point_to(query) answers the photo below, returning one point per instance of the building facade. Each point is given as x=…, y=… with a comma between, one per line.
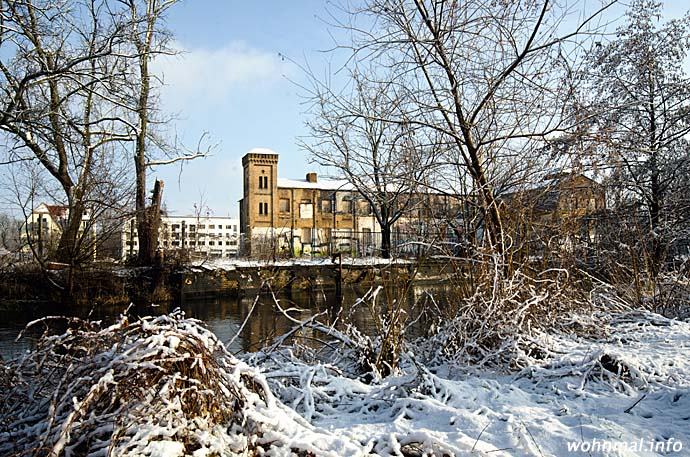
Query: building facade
x=301, y=216
x=296, y=217
x=558, y=213
x=43, y=228
x=205, y=236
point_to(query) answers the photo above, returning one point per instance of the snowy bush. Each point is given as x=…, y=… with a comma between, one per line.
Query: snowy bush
x=627, y=380
x=156, y=386
x=497, y=325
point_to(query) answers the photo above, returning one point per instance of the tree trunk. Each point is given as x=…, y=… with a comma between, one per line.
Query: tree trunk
x=68, y=247
x=386, y=241
x=148, y=223
x=144, y=214
x=656, y=255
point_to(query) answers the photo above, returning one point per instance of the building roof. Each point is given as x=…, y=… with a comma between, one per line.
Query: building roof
x=55, y=211
x=321, y=184
x=551, y=181
x=262, y=151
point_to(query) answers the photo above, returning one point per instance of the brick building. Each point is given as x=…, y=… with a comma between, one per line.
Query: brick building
x=314, y=215
x=560, y=213
x=301, y=216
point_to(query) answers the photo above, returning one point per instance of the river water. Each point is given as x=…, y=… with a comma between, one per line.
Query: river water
x=224, y=316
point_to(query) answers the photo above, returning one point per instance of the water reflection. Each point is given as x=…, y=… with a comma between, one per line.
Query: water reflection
x=224, y=316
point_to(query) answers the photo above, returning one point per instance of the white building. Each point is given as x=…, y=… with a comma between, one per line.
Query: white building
x=206, y=236
x=43, y=228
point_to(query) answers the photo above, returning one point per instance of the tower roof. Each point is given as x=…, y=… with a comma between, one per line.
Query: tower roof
x=262, y=151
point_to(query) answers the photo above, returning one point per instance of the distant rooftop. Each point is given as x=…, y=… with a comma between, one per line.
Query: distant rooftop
x=178, y=216
x=262, y=151
x=322, y=184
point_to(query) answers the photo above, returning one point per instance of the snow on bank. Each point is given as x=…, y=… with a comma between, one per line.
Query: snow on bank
x=625, y=395
x=166, y=386
x=233, y=264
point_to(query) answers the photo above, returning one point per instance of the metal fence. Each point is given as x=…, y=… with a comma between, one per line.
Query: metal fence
x=351, y=243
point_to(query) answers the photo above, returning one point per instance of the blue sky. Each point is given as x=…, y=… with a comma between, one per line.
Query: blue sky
x=232, y=83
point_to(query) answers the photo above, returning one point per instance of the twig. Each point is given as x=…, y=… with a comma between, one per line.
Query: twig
x=627, y=410
x=478, y=437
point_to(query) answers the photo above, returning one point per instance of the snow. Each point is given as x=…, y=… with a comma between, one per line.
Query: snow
x=164, y=448
x=232, y=264
x=622, y=391
x=568, y=400
x=321, y=184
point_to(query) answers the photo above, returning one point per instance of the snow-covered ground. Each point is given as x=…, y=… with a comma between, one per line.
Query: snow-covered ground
x=570, y=404
x=624, y=394
x=232, y=264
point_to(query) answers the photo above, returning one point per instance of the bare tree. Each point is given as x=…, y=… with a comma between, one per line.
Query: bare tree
x=487, y=76
x=59, y=66
x=639, y=98
x=77, y=87
x=150, y=39
x=385, y=162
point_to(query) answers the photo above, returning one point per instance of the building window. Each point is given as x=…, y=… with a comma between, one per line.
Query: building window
x=263, y=182
x=326, y=206
x=192, y=243
x=202, y=226
x=192, y=227
x=263, y=208
x=175, y=243
x=228, y=227
x=202, y=243
x=210, y=227
x=176, y=226
x=347, y=206
x=211, y=243
x=284, y=205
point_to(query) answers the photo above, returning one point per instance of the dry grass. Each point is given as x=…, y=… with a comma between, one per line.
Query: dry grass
x=496, y=326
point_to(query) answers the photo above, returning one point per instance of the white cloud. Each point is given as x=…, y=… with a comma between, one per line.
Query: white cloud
x=209, y=76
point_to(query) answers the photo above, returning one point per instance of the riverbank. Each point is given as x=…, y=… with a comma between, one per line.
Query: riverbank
x=167, y=387
x=120, y=285
x=237, y=276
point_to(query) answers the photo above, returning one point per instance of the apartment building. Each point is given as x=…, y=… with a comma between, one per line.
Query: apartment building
x=43, y=229
x=207, y=236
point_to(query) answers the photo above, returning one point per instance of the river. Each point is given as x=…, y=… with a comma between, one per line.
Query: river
x=224, y=316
